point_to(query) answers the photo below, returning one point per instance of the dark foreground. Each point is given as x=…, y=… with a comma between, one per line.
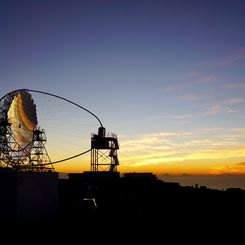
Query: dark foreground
x=142, y=206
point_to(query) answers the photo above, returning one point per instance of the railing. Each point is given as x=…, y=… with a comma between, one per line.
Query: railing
x=111, y=135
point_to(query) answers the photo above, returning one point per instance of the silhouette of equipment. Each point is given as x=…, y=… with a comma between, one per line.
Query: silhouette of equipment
x=30, y=155
x=104, y=151
x=22, y=142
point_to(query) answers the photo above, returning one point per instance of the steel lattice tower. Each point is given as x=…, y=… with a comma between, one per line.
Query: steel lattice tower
x=104, y=151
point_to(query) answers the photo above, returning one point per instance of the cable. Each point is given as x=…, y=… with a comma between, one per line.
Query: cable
x=62, y=98
x=69, y=158
x=69, y=101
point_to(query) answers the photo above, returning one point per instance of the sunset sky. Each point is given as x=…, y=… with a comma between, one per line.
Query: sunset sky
x=168, y=77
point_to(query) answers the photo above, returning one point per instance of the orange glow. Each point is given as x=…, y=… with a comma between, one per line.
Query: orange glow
x=175, y=168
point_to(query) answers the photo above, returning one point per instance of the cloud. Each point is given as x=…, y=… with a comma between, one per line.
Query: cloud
x=184, y=119
x=234, y=101
x=190, y=97
x=179, y=134
x=208, y=110
x=236, y=85
x=153, y=148
x=197, y=77
x=211, y=129
x=175, y=87
x=236, y=57
x=176, y=116
x=217, y=109
x=169, y=147
x=191, y=79
x=209, y=79
x=159, y=141
x=172, y=116
x=239, y=130
x=228, y=169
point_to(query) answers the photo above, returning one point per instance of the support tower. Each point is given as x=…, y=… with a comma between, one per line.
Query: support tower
x=104, y=151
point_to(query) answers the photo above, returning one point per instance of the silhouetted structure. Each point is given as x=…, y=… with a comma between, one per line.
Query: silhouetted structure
x=27, y=196
x=104, y=151
x=137, y=204
x=22, y=143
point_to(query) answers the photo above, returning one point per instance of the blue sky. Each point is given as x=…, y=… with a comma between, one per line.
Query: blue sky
x=159, y=73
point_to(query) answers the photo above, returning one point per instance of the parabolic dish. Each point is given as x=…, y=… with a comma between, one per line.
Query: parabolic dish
x=22, y=116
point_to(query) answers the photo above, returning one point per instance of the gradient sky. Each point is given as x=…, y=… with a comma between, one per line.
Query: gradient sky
x=167, y=76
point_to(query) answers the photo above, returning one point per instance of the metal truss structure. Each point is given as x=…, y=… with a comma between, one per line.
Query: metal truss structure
x=12, y=154
x=104, y=151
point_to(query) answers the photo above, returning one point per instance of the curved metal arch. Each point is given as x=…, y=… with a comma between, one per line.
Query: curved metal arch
x=69, y=101
x=62, y=98
x=56, y=96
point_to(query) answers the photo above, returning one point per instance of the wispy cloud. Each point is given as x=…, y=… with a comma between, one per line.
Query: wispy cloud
x=191, y=79
x=185, y=119
x=206, y=110
x=197, y=77
x=171, y=134
x=217, y=109
x=235, y=85
x=167, y=147
x=234, y=101
x=172, y=116
x=175, y=87
x=211, y=129
x=242, y=164
x=190, y=97
x=226, y=169
x=236, y=57
x=153, y=141
x=238, y=130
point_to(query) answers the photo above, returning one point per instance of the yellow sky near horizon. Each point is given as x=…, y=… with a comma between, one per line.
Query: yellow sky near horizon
x=197, y=152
